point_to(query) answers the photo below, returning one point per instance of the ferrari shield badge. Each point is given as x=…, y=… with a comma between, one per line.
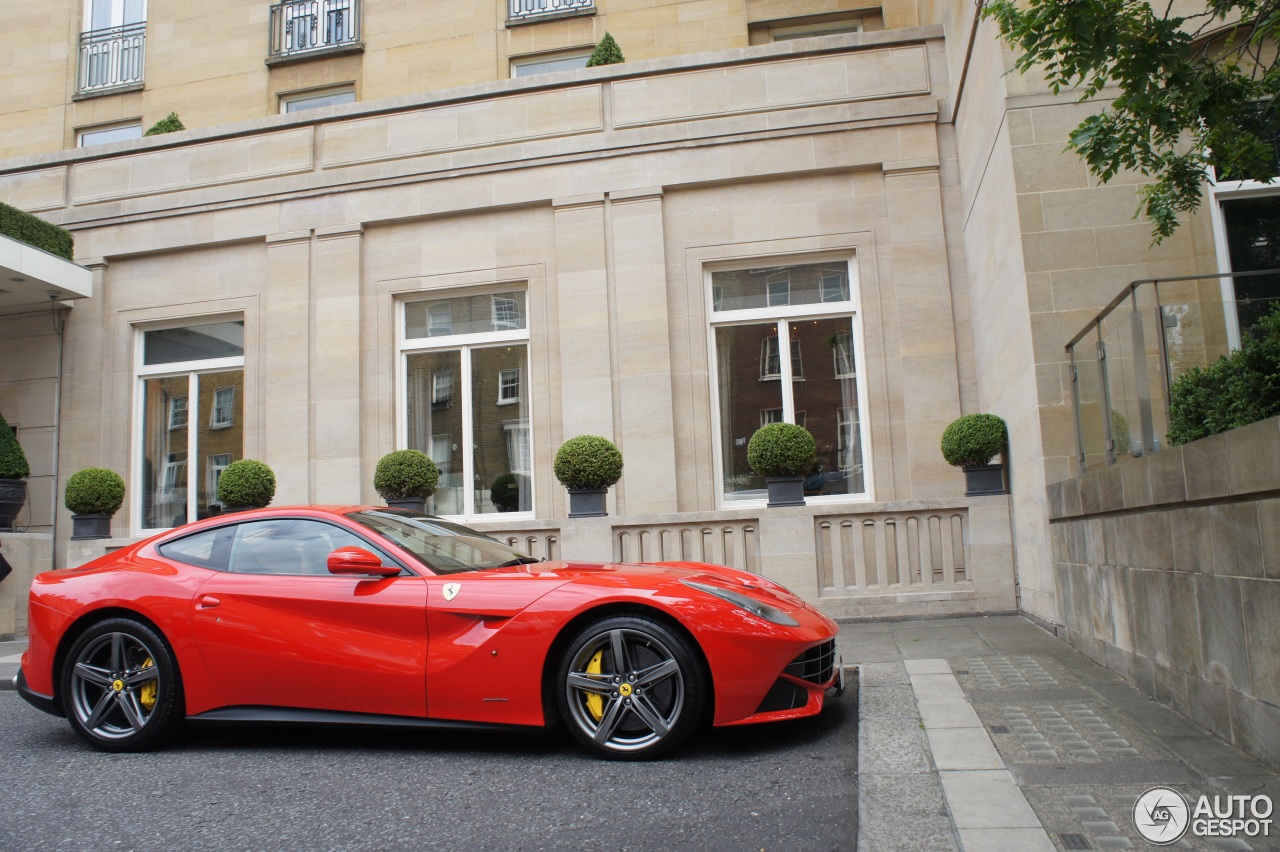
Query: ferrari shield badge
x=451, y=590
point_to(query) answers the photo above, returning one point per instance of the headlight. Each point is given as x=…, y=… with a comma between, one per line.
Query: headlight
x=751, y=605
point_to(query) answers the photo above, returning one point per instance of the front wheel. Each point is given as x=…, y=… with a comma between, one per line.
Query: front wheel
x=121, y=688
x=629, y=688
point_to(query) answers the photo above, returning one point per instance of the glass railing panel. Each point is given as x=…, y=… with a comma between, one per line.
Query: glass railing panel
x=1087, y=391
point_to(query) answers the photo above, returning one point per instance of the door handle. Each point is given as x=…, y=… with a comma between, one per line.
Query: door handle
x=207, y=602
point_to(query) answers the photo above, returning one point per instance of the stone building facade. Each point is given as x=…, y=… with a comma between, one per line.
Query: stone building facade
x=803, y=210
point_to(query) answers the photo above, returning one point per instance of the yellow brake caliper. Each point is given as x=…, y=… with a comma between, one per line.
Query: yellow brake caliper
x=147, y=695
x=595, y=701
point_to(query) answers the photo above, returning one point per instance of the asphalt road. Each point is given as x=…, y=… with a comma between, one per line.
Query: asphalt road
x=782, y=786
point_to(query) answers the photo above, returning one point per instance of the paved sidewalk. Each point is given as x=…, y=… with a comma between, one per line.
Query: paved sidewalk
x=982, y=734
x=10, y=657
x=992, y=734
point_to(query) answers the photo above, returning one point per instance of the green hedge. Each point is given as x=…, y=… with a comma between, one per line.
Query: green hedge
x=34, y=231
x=781, y=449
x=169, y=124
x=1236, y=390
x=246, y=483
x=606, y=52
x=94, y=491
x=405, y=474
x=588, y=461
x=974, y=439
x=13, y=461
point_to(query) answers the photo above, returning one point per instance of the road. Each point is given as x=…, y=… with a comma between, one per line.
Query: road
x=781, y=786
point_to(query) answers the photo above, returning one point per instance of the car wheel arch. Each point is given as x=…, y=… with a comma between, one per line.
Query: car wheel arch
x=607, y=610
x=86, y=621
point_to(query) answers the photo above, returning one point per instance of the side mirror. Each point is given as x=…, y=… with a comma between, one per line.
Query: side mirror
x=357, y=560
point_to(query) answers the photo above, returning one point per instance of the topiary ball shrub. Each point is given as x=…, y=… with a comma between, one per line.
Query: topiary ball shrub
x=505, y=492
x=588, y=461
x=169, y=124
x=246, y=483
x=406, y=475
x=13, y=461
x=781, y=449
x=974, y=439
x=94, y=491
x=607, y=52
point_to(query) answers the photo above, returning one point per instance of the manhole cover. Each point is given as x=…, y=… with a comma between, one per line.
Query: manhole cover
x=1074, y=841
x=999, y=729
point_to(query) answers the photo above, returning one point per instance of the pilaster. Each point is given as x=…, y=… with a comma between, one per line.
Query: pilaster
x=335, y=365
x=284, y=394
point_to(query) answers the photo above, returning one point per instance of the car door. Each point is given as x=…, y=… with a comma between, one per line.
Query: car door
x=277, y=629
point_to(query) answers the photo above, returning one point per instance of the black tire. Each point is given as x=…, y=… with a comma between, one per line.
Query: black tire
x=121, y=689
x=641, y=709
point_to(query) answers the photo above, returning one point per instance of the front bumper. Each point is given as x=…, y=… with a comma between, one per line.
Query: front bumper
x=47, y=703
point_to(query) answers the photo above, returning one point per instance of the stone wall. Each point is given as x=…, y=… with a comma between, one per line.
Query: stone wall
x=29, y=554
x=1167, y=571
x=909, y=559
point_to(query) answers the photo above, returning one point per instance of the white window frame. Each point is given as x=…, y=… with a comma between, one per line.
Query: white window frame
x=216, y=464
x=171, y=473
x=85, y=135
x=782, y=315
x=176, y=421
x=117, y=14
x=1236, y=190
x=770, y=281
x=769, y=354
x=463, y=344
x=440, y=319
x=509, y=309
x=795, y=31
x=846, y=367
x=520, y=439
x=296, y=102
x=504, y=398
x=442, y=388
x=193, y=370
x=823, y=291
x=216, y=421
x=443, y=459
x=532, y=60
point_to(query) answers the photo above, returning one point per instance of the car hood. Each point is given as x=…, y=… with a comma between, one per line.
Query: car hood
x=659, y=574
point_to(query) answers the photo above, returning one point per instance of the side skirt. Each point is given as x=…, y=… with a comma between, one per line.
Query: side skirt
x=230, y=716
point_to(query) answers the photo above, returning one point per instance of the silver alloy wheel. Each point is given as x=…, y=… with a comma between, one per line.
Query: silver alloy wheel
x=114, y=686
x=635, y=699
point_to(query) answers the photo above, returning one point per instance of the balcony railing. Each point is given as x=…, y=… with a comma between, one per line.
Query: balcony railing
x=520, y=10
x=112, y=57
x=1124, y=362
x=303, y=26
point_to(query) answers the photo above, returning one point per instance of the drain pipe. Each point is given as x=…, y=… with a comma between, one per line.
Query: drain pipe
x=59, y=326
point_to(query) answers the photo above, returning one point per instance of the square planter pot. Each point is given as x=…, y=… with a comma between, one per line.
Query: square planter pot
x=983, y=479
x=413, y=504
x=587, y=502
x=13, y=495
x=85, y=527
x=785, y=490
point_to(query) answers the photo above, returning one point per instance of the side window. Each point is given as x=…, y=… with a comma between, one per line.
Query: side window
x=204, y=550
x=288, y=546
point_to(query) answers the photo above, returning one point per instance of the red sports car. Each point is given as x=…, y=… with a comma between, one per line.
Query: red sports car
x=384, y=617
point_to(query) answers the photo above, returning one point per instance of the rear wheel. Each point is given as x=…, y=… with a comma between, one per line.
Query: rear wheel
x=121, y=688
x=629, y=688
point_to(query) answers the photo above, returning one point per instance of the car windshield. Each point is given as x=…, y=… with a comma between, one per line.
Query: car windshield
x=446, y=548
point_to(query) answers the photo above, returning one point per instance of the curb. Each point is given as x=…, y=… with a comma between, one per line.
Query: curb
x=901, y=805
